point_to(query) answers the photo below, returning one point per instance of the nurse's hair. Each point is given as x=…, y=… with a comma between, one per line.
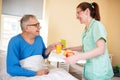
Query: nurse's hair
x=25, y=20
x=93, y=7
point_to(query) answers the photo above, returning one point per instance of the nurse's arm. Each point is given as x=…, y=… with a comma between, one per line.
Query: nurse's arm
x=76, y=48
x=99, y=50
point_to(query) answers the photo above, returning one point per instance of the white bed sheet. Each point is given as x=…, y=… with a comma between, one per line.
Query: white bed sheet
x=54, y=74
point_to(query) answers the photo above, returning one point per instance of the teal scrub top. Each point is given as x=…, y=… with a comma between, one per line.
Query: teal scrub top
x=98, y=68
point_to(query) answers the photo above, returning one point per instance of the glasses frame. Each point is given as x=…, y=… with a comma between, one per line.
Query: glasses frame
x=37, y=25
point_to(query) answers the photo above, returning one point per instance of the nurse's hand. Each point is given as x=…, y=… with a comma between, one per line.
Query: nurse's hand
x=72, y=59
x=42, y=72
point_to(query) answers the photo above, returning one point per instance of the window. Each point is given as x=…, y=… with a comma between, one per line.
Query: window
x=9, y=28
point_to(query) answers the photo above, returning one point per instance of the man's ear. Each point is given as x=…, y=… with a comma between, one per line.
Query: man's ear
x=25, y=28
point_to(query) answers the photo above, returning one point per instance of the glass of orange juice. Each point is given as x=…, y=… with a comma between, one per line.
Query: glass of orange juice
x=58, y=48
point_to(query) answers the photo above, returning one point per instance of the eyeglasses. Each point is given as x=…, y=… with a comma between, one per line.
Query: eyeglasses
x=37, y=25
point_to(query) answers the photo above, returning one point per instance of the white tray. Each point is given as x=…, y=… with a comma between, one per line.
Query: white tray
x=53, y=57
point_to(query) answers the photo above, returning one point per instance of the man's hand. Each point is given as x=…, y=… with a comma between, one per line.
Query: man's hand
x=42, y=72
x=52, y=47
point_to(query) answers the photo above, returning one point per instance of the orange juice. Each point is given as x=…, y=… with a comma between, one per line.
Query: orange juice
x=58, y=48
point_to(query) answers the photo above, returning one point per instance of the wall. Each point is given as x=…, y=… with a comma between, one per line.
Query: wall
x=113, y=28
x=62, y=22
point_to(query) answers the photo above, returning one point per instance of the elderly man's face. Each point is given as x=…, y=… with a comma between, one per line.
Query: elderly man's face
x=33, y=27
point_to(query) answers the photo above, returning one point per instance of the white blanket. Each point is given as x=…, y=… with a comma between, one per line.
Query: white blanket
x=36, y=63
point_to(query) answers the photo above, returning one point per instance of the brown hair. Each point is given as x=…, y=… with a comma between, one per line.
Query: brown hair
x=93, y=7
x=25, y=20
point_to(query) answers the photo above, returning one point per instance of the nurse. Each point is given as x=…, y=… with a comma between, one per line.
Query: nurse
x=94, y=44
